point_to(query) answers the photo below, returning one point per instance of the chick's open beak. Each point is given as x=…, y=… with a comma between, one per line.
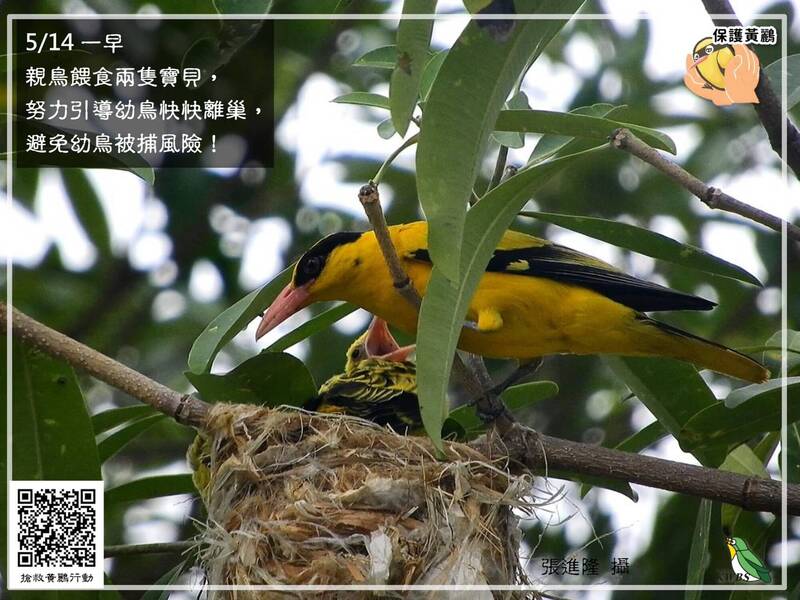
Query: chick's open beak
x=381, y=344
x=289, y=301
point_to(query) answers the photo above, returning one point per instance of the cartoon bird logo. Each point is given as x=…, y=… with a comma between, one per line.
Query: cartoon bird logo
x=710, y=61
x=725, y=74
x=746, y=565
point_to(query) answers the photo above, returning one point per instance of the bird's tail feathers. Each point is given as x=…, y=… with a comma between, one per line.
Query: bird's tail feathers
x=705, y=353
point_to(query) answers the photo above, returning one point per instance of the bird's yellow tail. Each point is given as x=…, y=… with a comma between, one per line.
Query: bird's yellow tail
x=682, y=345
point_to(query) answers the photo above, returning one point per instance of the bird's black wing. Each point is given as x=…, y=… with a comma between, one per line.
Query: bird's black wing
x=565, y=265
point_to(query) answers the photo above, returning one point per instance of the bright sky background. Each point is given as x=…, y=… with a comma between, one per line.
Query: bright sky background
x=318, y=131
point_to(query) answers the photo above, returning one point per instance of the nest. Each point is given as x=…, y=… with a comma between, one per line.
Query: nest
x=298, y=498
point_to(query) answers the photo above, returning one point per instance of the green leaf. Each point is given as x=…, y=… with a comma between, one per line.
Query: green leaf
x=121, y=438
x=550, y=145
x=793, y=458
x=445, y=303
x=384, y=57
x=774, y=349
x=754, y=409
x=312, y=326
x=429, y=74
x=673, y=391
x=589, y=481
x=460, y=112
x=742, y=460
x=168, y=578
x=363, y=99
x=699, y=556
x=111, y=418
x=53, y=437
x=413, y=41
x=267, y=379
x=646, y=242
x=88, y=209
x=512, y=139
x=515, y=398
x=386, y=129
x=577, y=125
x=642, y=439
x=232, y=320
x=792, y=65
x=150, y=487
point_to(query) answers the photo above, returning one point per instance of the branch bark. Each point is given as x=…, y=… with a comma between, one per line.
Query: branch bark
x=525, y=449
x=712, y=197
x=768, y=108
x=182, y=408
x=528, y=450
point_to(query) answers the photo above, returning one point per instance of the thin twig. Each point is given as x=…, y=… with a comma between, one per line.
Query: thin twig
x=710, y=196
x=768, y=108
x=155, y=548
x=529, y=451
x=183, y=408
x=390, y=159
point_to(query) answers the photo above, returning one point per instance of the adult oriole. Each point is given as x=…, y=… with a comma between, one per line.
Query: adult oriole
x=536, y=298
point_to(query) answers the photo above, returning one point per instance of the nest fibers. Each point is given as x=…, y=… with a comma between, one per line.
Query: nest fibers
x=298, y=498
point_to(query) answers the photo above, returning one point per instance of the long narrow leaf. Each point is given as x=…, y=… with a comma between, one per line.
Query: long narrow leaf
x=646, y=242
x=699, y=557
x=745, y=461
x=88, y=209
x=231, y=321
x=413, y=41
x=119, y=439
x=456, y=124
x=549, y=145
x=312, y=326
x=576, y=125
x=363, y=99
x=150, y=487
x=445, y=304
x=109, y=419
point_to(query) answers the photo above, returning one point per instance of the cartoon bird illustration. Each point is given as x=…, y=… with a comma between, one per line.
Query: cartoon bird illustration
x=536, y=298
x=379, y=383
x=710, y=60
x=746, y=565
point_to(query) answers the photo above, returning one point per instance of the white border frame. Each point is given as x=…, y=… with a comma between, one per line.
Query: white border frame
x=640, y=15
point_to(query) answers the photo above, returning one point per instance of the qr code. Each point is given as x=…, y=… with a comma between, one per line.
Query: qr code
x=56, y=527
x=56, y=540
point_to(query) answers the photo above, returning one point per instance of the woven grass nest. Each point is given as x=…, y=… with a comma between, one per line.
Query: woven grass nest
x=302, y=498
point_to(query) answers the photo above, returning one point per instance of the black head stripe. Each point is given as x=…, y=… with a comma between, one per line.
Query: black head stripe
x=313, y=261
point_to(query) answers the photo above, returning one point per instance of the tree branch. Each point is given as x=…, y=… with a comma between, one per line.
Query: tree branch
x=182, y=408
x=525, y=449
x=531, y=451
x=154, y=548
x=710, y=196
x=768, y=108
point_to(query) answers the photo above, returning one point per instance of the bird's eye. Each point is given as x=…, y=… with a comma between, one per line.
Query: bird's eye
x=696, y=56
x=312, y=266
x=709, y=49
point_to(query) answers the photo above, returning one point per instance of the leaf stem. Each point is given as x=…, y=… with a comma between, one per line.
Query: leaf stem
x=409, y=142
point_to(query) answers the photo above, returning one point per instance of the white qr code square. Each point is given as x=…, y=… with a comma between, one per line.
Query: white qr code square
x=55, y=536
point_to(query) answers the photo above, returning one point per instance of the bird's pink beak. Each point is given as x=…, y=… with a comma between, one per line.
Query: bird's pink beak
x=698, y=61
x=289, y=301
x=380, y=343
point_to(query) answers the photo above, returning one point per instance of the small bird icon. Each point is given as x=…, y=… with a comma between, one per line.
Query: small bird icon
x=746, y=565
x=710, y=60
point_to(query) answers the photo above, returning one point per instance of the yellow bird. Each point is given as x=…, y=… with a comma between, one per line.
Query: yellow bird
x=710, y=60
x=536, y=298
x=379, y=383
